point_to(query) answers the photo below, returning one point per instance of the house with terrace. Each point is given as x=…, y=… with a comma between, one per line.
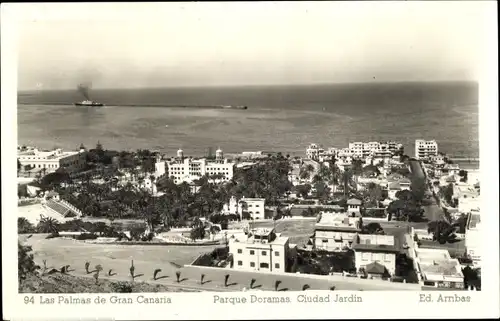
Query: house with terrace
x=375, y=255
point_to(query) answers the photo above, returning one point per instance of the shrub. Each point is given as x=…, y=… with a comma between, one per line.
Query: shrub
x=26, y=265
x=24, y=226
x=136, y=232
x=148, y=237
x=122, y=287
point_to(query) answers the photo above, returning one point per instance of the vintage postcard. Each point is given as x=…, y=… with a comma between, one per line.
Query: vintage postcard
x=291, y=160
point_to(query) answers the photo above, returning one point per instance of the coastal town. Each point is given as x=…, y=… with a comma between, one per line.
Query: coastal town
x=362, y=217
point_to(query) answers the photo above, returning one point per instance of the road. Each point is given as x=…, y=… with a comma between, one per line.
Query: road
x=433, y=212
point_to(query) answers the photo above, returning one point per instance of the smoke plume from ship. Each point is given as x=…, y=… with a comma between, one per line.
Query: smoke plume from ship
x=84, y=90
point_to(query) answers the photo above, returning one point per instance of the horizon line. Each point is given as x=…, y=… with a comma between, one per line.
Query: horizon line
x=265, y=85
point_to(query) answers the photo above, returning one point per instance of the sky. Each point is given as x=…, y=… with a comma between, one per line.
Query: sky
x=132, y=45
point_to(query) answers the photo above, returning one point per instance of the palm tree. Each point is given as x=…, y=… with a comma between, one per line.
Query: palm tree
x=132, y=269
x=155, y=273
x=48, y=225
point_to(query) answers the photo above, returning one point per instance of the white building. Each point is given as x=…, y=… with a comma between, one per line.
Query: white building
x=313, y=151
x=260, y=250
x=354, y=206
x=183, y=169
x=254, y=206
x=436, y=268
x=160, y=167
x=335, y=231
x=424, y=149
x=376, y=254
x=71, y=161
x=473, y=242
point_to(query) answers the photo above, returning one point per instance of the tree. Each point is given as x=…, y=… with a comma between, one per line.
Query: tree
x=276, y=285
x=443, y=231
x=48, y=225
x=24, y=226
x=303, y=190
x=322, y=191
x=155, y=274
x=198, y=230
x=252, y=283
x=25, y=264
x=372, y=228
x=463, y=175
x=447, y=192
x=372, y=195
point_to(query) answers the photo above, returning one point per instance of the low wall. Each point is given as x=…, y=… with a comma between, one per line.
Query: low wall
x=311, y=279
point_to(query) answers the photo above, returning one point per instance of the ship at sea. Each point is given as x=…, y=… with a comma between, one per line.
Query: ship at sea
x=84, y=90
x=89, y=103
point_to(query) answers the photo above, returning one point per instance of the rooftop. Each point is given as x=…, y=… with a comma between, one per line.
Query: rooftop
x=354, y=201
x=376, y=243
x=433, y=262
x=337, y=222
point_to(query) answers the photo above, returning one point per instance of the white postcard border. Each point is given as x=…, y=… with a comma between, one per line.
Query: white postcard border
x=394, y=304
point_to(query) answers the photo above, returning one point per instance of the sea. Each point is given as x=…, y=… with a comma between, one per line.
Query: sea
x=278, y=119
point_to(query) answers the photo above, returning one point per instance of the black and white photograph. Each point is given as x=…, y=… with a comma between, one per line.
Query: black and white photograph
x=285, y=151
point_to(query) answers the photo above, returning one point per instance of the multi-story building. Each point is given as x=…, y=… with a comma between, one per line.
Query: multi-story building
x=313, y=151
x=50, y=161
x=183, y=169
x=335, y=231
x=425, y=149
x=260, y=250
x=376, y=254
x=254, y=206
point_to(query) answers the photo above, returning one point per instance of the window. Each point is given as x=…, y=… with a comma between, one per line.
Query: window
x=264, y=253
x=240, y=251
x=252, y=252
x=264, y=265
x=252, y=264
x=276, y=253
x=387, y=257
x=277, y=265
x=365, y=256
x=240, y=263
